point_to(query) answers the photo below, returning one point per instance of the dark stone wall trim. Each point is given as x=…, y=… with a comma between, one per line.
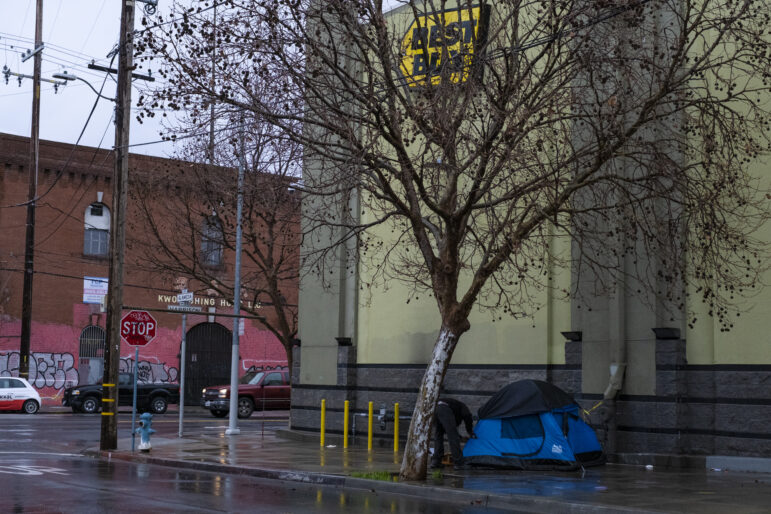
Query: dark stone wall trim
x=681, y=399
x=588, y=397
x=723, y=367
x=411, y=390
x=691, y=399
x=524, y=367
x=694, y=431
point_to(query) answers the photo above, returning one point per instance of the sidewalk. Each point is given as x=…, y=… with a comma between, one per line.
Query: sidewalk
x=609, y=488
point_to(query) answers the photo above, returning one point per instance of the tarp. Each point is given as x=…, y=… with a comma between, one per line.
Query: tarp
x=525, y=397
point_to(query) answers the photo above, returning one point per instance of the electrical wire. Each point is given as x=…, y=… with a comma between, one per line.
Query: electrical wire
x=53, y=47
x=72, y=151
x=56, y=18
x=63, y=275
x=93, y=25
x=73, y=203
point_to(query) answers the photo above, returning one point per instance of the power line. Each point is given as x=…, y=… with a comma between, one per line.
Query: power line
x=52, y=47
x=72, y=151
x=56, y=18
x=72, y=203
x=91, y=30
x=63, y=275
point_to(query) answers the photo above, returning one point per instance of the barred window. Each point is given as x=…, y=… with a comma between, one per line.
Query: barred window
x=211, y=242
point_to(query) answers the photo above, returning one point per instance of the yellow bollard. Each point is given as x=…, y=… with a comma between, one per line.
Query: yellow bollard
x=396, y=427
x=369, y=429
x=323, y=420
x=345, y=424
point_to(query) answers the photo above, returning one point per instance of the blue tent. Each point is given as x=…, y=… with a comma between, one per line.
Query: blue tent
x=531, y=424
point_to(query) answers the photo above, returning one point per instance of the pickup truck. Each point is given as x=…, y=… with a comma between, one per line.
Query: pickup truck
x=261, y=390
x=150, y=397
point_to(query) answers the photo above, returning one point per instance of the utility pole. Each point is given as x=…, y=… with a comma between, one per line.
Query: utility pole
x=29, y=244
x=109, y=433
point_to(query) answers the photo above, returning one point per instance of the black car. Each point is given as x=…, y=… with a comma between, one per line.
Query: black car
x=150, y=397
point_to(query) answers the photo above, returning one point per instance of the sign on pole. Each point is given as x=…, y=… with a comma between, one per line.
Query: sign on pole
x=185, y=297
x=137, y=328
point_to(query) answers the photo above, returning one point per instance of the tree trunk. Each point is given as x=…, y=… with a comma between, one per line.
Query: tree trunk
x=416, y=450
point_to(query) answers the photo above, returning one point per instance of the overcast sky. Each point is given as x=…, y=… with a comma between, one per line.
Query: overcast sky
x=75, y=32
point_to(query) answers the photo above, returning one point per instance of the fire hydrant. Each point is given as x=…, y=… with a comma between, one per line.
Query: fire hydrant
x=144, y=431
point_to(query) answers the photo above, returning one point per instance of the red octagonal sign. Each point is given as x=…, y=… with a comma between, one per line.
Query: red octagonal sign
x=137, y=328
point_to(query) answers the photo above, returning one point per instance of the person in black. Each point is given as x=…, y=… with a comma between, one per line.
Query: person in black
x=449, y=415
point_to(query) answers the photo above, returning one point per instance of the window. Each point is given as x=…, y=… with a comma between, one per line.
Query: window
x=273, y=379
x=92, y=342
x=11, y=383
x=96, y=242
x=211, y=242
x=96, y=239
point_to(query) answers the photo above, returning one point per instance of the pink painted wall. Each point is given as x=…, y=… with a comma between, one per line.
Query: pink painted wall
x=55, y=352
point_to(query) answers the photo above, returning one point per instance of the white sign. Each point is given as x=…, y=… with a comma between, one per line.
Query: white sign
x=185, y=297
x=184, y=308
x=94, y=288
x=241, y=326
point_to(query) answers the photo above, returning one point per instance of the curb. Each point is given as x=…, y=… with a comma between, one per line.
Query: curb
x=521, y=503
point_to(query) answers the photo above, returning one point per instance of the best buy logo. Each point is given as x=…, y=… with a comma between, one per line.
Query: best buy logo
x=443, y=40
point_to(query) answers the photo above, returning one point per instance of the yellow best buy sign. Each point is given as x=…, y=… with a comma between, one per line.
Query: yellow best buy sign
x=443, y=39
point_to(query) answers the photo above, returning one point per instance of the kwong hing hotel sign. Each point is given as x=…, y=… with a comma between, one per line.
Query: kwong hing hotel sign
x=443, y=44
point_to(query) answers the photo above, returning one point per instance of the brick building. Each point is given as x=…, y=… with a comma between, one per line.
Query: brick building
x=71, y=270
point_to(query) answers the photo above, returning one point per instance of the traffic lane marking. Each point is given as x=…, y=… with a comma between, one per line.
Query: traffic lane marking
x=27, y=469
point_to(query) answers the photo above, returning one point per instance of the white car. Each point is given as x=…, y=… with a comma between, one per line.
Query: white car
x=17, y=394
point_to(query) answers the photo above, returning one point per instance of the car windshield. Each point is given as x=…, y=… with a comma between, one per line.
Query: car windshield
x=252, y=378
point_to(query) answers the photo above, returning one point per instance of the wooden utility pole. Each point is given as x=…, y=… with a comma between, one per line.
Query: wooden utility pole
x=29, y=244
x=109, y=433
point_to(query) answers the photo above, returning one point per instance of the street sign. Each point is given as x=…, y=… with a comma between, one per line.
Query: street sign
x=185, y=297
x=184, y=308
x=137, y=328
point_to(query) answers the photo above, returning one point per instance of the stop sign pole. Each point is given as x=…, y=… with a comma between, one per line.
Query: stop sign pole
x=137, y=328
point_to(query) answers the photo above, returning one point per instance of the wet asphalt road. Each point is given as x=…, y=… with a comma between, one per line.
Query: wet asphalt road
x=42, y=470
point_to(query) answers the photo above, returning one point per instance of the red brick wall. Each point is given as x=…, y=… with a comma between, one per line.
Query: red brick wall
x=58, y=313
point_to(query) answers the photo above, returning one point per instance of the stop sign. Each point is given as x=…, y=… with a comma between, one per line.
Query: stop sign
x=137, y=328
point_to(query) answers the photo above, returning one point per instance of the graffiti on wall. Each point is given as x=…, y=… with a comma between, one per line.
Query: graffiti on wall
x=46, y=369
x=258, y=367
x=150, y=372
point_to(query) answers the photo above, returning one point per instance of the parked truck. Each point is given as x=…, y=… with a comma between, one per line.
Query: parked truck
x=260, y=390
x=154, y=398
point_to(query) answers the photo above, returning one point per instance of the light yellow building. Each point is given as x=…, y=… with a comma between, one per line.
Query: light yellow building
x=682, y=390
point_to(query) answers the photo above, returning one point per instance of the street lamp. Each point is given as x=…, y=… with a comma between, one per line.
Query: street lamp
x=69, y=76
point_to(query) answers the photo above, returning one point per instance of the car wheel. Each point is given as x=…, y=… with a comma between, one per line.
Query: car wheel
x=159, y=405
x=219, y=413
x=90, y=405
x=30, y=407
x=245, y=407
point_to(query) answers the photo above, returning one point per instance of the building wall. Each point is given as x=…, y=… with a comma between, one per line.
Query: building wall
x=697, y=390
x=58, y=312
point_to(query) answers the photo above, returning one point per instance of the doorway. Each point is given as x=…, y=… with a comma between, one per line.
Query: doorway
x=207, y=359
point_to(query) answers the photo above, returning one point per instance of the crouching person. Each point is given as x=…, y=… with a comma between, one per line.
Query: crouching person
x=449, y=415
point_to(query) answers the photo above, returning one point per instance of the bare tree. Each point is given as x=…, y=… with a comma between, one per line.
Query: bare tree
x=452, y=140
x=187, y=213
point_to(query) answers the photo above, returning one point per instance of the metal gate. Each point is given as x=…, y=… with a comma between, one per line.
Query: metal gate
x=207, y=359
x=91, y=355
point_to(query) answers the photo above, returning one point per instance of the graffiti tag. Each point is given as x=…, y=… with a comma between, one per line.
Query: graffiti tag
x=55, y=370
x=150, y=372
